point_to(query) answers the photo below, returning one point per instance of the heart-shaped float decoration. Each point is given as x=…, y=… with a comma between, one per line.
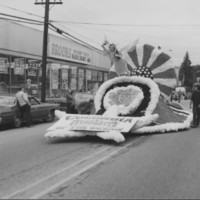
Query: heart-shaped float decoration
x=125, y=99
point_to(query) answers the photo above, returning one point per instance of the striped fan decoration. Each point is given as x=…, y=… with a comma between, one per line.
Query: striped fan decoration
x=148, y=61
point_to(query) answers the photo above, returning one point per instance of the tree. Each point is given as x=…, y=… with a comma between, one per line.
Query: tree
x=186, y=72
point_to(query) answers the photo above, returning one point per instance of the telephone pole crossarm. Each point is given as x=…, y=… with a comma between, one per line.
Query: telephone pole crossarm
x=53, y=2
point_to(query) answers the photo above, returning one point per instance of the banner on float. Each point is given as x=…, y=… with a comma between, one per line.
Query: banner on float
x=97, y=123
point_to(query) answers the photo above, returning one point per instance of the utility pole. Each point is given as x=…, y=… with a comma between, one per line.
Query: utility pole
x=45, y=44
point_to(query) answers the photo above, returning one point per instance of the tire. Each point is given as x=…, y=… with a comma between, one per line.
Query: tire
x=50, y=117
x=17, y=121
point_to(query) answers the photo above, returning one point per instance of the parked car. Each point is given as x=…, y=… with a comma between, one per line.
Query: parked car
x=61, y=102
x=80, y=97
x=9, y=111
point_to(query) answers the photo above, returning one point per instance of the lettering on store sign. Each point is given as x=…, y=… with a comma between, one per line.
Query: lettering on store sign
x=69, y=53
x=58, y=50
x=81, y=56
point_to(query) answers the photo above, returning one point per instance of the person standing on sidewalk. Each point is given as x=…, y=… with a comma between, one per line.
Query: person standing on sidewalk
x=70, y=102
x=28, y=87
x=195, y=105
x=25, y=106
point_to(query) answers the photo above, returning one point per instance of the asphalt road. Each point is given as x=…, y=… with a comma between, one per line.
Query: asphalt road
x=162, y=166
x=29, y=161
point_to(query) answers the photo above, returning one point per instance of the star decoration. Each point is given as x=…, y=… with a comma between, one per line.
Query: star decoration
x=142, y=71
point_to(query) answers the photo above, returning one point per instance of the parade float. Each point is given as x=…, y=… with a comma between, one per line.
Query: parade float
x=134, y=103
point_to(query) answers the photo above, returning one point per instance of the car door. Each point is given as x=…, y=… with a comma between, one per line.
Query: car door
x=37, y=109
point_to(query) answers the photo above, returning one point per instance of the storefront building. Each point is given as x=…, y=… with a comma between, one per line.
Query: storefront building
x=69, y=64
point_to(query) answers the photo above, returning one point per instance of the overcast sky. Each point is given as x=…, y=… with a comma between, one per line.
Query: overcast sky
x=172, y=24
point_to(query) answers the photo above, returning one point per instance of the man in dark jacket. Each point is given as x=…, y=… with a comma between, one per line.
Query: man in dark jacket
x=70, y=102
x=195, y=105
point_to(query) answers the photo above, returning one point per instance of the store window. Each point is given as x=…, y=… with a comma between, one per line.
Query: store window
x=54, y=76
x=81, y=80
x=88, y=80
x=73, y=81
x=32, y=77
x=94, y=76
x=95, y=84
x=3, y=65
x=100, y=78
x=33, y=67
x=105, y=76
x=64, y=77
x=3, y=75
x=19, y=67
x=19, y=75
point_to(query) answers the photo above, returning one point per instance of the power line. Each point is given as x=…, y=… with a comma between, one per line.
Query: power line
x=74, y=40
x=69, y=35
x=100, y=24
x=134, y=25
x=20, y=21
x=79, y=34
x=20, y=11
x=36, y=22
x=14, y=16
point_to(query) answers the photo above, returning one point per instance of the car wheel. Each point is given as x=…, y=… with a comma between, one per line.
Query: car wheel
x=17, y=121
x=50, y=117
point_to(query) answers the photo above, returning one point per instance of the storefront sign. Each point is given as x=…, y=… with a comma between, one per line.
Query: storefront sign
x=19, y=67
x=94, y=123
x=3, y=65
x=66, y=50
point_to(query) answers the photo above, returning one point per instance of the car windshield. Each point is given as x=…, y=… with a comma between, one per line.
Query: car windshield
x=7, y=101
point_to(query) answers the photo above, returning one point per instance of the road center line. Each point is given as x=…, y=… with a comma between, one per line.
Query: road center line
x=44, y=192
x=110, y=151
x=52, y=175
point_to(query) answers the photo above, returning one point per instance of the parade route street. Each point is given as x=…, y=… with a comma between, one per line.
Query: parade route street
x=30, y=164
x=159, y=166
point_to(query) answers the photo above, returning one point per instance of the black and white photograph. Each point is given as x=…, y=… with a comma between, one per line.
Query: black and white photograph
x=99, y=99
